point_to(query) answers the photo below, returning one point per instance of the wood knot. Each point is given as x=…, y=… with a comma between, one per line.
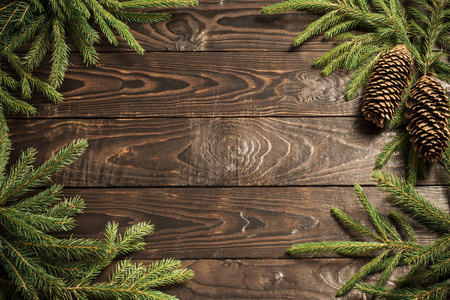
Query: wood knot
x=310, y=86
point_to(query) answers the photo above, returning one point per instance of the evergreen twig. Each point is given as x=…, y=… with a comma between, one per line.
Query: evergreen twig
x=429, y=265
x=422, y=26
x=38, y=26
x=37, y=265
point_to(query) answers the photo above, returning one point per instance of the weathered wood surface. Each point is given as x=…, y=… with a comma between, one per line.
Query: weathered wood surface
x=310, y=279
x=306, y=279
x=222, y=25
x=224, y=223
x=213, y=151
x=200, y=85
x=226, y=138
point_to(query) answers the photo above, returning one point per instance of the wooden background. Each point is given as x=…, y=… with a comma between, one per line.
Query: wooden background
x=226, y=138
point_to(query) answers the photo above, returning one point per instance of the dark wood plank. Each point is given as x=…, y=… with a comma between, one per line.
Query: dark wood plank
x=214, y=151
x=232, y=222
x=224, y=26
x=312, y=279
x=200, y=85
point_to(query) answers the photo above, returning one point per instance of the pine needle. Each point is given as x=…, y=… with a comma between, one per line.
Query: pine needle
x=398, y=143
x=412, y=202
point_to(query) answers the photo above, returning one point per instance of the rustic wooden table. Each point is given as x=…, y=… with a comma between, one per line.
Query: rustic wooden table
x=228, y=140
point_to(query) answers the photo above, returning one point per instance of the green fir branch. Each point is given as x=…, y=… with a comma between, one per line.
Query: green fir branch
x=385, y=230
x=157, y=3
x=439, y=291
x=429, y=264
x=404, y=225
x=371, y=267
x=60, y=54
x=412, y=202
x=397, y=144
x=340, y=247
x=36, y=265
x=351, y=223
x=389, y=267
x=430, y=253
x=38, y=27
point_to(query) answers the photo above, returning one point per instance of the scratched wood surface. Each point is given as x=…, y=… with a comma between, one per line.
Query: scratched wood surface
x=226, y=138
x=223, y=223
x=201, y=84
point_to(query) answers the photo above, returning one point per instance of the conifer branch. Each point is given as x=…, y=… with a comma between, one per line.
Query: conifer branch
x=438, y=291
x=373, y=266
x=37, y=265
x=422, y=28
x=404, y=225
x=383, y=227
x=397, y=144
x=340, y=247
x=412, y=202
x=429, y=264
x=351, y=223
x=390, y=264
x=37, y=24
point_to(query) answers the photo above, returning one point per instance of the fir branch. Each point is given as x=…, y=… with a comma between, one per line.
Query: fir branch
x=426, y=276
x=15, y=105
x=361, y=76
x=157, y=3
x=351, y=223
x=141, y=17
x=121, y=28
x=430, y=253
x=382, y=226
x=60, y=54
x=67, y=208
x=71, y=249
x=62, y=158
x=341, y=28
x=429, y=265
x=412, y=202
x=373, y=266
x=440, y=269
x=340, y=247
x=439, y=291
x=398, y=143
x=22, y=37
x=398, y=120
x=390, y=266
x=37, y=265
x=320, y=25
x=404, y=225
x=7, y=81
x=40, y=202
x=83, y=44
x=49, y=23
x=38, y=49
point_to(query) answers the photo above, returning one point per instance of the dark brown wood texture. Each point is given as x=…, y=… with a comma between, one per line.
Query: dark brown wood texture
x=223, y=223
x=201, y=84
x=226, y=138
x=312, y=279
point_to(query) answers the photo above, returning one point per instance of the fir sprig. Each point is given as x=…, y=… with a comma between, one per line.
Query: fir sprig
x=429, y=265
x=384, y=26
x=37, y=265
x=38, y=26
x=422, y=26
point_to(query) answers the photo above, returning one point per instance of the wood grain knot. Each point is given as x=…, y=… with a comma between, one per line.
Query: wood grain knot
x=309, y=86
x=241, y=150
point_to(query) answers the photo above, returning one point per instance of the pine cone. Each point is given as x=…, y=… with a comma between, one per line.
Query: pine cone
x=386, y=85
x=427, y=109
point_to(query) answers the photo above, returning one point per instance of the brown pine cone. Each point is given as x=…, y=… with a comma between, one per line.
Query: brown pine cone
x=386, y=86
